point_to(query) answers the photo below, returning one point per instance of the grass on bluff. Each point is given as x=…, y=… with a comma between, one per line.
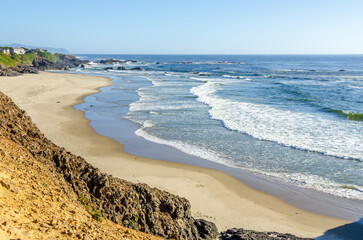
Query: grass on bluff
x=27, y=58
x=7, y=60
x=47, y=55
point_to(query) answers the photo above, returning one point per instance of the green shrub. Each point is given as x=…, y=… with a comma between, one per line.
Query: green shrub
x=83, y=199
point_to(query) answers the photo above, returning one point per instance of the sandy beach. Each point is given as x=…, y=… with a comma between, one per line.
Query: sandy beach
x=216, y=196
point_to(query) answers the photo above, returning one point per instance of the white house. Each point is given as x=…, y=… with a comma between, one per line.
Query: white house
x=5, y=51
x=17, y=50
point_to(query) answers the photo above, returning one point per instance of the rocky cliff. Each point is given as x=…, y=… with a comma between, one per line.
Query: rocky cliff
x=136, y=206
x=36, y=203
x=63, y=62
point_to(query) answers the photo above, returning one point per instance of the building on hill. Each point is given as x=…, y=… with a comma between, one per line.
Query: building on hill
x=41, y=49
x=17, y=50
x=5, y=51
x=32, y=51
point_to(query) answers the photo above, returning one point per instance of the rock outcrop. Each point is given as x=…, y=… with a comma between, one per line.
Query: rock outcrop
x=111, y=61
x=37, y=204
x=136, y=206
x=242, y=234
x=136, y=69
x=64, y=62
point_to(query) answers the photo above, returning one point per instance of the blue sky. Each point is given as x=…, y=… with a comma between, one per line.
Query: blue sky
x=187, y=26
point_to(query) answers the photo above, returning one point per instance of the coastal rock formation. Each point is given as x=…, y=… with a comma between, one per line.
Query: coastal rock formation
x=6, y=71
x=121, y=68
x=37, y=203
x=242, y=234
x=64, y=62
x=109, y=68
x=16, y=71
x=111, y=61
x=136, y=206
x=43, y=64
x=136, y=69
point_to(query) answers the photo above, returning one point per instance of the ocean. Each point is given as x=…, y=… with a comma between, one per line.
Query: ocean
x=296, y=119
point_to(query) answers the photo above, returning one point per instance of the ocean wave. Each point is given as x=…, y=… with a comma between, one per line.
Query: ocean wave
x=237, y=77
x=315, y=182
x=185, y=147
x=354, y=116
x=293, y=129
x=298, y=179
x=354, y=86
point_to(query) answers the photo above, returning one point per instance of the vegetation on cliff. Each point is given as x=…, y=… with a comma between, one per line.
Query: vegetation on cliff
x=14, y=59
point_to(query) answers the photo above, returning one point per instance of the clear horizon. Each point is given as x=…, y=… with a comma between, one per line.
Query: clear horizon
x=187, y=27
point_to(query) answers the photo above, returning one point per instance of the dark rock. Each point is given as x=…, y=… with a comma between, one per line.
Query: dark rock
x=82, y=66
x=202, y=75
x=242, y=234
x=341, y=70
x=7, y=71
x=121, y=68
x=206, y=230
x=43, y=64
x=136, y=69
x=109, y=68
x=68, y=61
x=111, y=61
x=26, y=69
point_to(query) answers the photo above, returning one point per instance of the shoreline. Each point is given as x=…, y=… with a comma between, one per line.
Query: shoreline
x=214, y=195
x=304, y=198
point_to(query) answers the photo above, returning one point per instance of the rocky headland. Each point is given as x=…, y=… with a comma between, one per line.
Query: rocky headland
x=60, y=62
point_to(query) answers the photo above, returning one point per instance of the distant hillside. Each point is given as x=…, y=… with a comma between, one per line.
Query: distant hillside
x=52, y=50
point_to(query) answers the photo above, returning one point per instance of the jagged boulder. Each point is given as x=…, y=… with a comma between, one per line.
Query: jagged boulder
x=242, y=234
x=43, y=64
x=7, y=71
x=136, y=69
x=26, y=69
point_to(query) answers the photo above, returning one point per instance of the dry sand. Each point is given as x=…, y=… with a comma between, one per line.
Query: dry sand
x=48, y=98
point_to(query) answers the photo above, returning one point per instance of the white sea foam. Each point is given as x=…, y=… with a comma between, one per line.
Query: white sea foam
x=295, y=129
x=302, y=180
x=316, y=182
x=354, y=86
x=185, y=147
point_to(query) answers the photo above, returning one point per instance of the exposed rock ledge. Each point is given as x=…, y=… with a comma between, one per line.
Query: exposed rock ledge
x=242, y=234
x=65, y=62
x=137, y=206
